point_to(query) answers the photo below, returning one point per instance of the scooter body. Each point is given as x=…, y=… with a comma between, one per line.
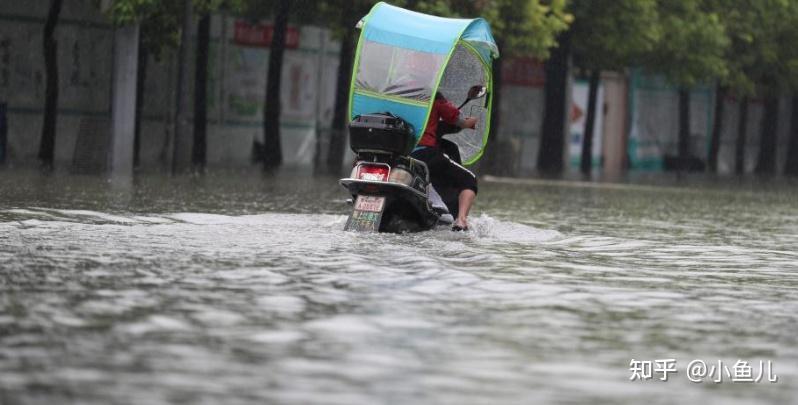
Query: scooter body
x=391, y=191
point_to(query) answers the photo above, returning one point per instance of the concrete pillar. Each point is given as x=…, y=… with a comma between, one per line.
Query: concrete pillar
x=123, y=100
x=616, y=117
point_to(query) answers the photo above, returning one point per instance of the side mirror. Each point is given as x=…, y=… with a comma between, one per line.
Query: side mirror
x=477, y=91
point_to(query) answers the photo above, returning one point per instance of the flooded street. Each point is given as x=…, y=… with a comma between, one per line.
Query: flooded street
x=238, y=288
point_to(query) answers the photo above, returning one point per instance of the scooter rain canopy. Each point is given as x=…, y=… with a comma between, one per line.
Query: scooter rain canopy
x=404, y=58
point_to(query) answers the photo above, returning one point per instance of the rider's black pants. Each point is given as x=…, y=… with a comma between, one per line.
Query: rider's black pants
x=444, y=172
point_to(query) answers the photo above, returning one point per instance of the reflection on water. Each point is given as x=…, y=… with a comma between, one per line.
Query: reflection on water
x=233, y=288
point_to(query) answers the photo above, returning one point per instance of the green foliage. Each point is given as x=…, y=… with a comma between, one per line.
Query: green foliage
x=745, y=44
x=693, y=44
x=342, y=15
x=521, y=27
x=441, y=8
x=528, y=27
x=161, y=20
x=762, y=52
x=124, y=12
x=613, y=34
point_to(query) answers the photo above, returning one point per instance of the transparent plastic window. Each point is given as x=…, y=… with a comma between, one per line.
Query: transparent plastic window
x=398, y=72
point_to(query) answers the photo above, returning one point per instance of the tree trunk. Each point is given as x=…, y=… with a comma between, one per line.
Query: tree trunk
x=791, y=167
x=47, y=145
x=684, y=125
x=335, y=152
x=492, y=163
x=766, y=164
x=272, y=154
x=717, y=129
x=586, y=163
x=181, y=154
x=552, y=137
x=742, y=127
x=200, y=93
x=142, y=77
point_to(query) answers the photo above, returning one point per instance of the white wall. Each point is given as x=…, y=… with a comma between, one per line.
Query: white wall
x=235, y=99
x=84, y=64
x=655, y=121
x=236, y=94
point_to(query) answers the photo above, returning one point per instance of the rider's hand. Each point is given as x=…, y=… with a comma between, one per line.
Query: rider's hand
x=470, y=122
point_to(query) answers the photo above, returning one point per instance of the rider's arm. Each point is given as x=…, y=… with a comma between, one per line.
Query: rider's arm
x=450, y=114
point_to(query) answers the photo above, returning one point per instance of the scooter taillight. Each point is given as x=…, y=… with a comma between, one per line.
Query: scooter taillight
x=373, y=172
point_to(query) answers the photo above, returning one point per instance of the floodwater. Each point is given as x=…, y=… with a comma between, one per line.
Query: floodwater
x=239, y=288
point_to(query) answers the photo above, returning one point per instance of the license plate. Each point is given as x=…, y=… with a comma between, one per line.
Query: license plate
x=369, y=203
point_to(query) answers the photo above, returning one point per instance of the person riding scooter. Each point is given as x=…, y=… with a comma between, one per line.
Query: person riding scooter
x=403, y=58
x=444, y=171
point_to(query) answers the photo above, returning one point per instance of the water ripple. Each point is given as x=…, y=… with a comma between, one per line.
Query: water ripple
x=545, y=302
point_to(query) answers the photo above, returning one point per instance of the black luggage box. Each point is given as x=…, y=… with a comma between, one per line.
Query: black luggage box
x=381, y=132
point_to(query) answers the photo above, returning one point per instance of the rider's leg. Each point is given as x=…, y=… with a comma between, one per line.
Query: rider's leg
x=465, y=200
x=447, y=173
x=465, y=180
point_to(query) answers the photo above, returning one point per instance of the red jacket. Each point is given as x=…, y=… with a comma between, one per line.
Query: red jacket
x=441, y=109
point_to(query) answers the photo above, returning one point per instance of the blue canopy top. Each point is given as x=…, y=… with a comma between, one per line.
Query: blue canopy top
x=391, y=25
x=402, y=59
